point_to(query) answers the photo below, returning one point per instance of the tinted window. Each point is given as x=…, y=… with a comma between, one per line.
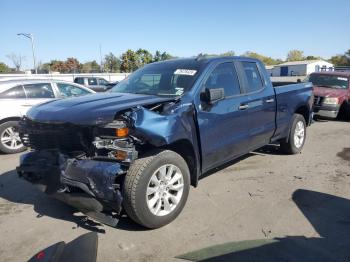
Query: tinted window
x=42, y=90
x=102, y=82
x=224, y=76
x=331, y=81
x=14, y=92
x=67, y=90
x=92, y=81
x=253, y=76
x=79, y=80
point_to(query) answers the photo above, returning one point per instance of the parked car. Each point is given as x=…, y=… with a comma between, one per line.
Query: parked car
x=17, y=96
x=332, y=93
x=141, y=146
x=98, y=84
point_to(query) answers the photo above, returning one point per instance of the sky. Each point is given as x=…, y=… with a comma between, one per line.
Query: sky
x=183, y=28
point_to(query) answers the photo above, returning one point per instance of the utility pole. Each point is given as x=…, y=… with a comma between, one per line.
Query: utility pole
x=31, y=37
x=100, y=59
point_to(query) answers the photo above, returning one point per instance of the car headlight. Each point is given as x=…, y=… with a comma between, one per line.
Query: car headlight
x=113, y=141
x=114, y=129
x=331, y=101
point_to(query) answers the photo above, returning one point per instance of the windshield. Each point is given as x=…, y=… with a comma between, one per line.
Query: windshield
x=161, y=79
x=331, y=81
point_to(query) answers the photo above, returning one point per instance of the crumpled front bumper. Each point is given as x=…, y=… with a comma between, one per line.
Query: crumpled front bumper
x=88, y=185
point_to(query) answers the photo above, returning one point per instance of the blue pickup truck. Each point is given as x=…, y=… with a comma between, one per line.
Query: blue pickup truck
x=139, y=147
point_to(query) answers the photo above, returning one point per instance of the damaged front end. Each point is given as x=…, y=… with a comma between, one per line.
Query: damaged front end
x=82, y=166
x=88, y=185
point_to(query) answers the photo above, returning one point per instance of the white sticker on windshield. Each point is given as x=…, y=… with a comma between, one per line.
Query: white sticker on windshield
x=342, y=78
x=179, y=91
x=187, y=72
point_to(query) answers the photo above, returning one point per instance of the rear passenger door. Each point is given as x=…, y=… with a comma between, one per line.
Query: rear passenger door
x=258, y=105
x=224, y=131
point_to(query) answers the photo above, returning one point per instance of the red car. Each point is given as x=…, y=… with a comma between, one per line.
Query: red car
x=332, y=93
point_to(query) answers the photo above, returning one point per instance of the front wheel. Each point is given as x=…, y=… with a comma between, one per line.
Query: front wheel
x=297, y=136
x=10, y=141
x=156, y=188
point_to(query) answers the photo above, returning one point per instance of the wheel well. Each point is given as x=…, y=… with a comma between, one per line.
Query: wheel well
x=305, y=112
x=185, y=149
x=9, y=119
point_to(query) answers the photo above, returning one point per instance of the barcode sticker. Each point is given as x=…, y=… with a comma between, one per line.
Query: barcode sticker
x=187, y=72
x=342, y=78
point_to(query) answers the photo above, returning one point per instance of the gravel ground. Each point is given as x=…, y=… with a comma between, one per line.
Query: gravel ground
x=296, y=199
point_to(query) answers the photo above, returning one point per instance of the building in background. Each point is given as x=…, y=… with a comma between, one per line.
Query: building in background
x=300, y=68
x=269, y=69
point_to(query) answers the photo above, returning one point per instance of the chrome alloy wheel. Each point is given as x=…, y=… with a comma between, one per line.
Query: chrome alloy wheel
x=10, y=138
x=299, y=134
x=164, y=190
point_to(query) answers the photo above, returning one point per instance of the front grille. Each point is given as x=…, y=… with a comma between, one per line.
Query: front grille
x=64, y=137
x=318, y=100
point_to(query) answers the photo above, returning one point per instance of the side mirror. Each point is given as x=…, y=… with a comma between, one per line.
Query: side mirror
x=212, y=95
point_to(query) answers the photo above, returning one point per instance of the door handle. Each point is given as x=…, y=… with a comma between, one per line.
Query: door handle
x=271, y=100
x=243, y=107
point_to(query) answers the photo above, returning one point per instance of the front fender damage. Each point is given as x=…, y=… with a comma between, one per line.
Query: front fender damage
x=178, y=123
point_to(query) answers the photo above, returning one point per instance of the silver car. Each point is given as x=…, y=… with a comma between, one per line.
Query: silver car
x=18, y=96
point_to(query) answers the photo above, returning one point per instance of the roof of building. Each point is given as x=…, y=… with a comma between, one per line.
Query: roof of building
x=304, y=62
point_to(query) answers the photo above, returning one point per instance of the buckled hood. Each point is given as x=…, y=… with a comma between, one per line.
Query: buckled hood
x=90, y=109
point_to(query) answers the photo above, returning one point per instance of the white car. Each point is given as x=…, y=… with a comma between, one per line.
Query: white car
x=18, y=96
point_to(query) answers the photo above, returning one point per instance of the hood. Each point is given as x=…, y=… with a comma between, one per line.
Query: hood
x=90, y=109
x=330, y=92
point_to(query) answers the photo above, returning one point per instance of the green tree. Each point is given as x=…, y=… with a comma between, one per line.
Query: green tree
x=295, y=55
x=265, y=59
x=340, y=60
x=129, y=61
x=90, y=67
x=228, y=53
x=158, y=56
x=311, y=57
x=111, y=63
x=144, y=57
x=4, y=68
x=166, y=56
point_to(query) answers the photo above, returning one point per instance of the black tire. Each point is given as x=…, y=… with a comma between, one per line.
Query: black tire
x=3, y=148
x=288, y=146
x=136, y=183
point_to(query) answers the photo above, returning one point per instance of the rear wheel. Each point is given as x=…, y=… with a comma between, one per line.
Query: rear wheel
x=297, y=136
x=156, y=189
x=10, y=141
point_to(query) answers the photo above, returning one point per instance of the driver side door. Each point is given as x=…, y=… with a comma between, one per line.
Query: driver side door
x=224, y=130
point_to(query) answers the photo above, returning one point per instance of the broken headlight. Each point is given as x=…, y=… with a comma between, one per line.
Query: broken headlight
x=112, y=141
